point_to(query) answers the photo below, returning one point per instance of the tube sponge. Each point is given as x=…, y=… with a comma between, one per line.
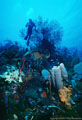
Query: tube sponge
x=58, y=78
x=63, y=71
x=58, y=74
x=53, y=76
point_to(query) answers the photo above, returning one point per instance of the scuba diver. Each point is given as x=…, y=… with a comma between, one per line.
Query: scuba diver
x=30, y=26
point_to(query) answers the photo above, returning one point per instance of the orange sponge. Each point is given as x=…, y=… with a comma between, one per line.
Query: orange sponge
x=65, y=95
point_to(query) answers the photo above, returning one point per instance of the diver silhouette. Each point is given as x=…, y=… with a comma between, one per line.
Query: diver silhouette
x=30, y=26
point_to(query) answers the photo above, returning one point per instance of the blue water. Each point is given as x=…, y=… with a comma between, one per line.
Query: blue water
x=15, y=13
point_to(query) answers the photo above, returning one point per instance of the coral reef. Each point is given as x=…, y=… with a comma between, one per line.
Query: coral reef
x=41, y=81
x=12, y=75
x=36, y=89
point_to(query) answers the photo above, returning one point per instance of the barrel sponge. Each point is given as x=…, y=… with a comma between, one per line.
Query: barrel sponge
x=63, y=71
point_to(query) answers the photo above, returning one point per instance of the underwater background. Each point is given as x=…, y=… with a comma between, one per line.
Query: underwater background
x=40, y=59
x=14, y=15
